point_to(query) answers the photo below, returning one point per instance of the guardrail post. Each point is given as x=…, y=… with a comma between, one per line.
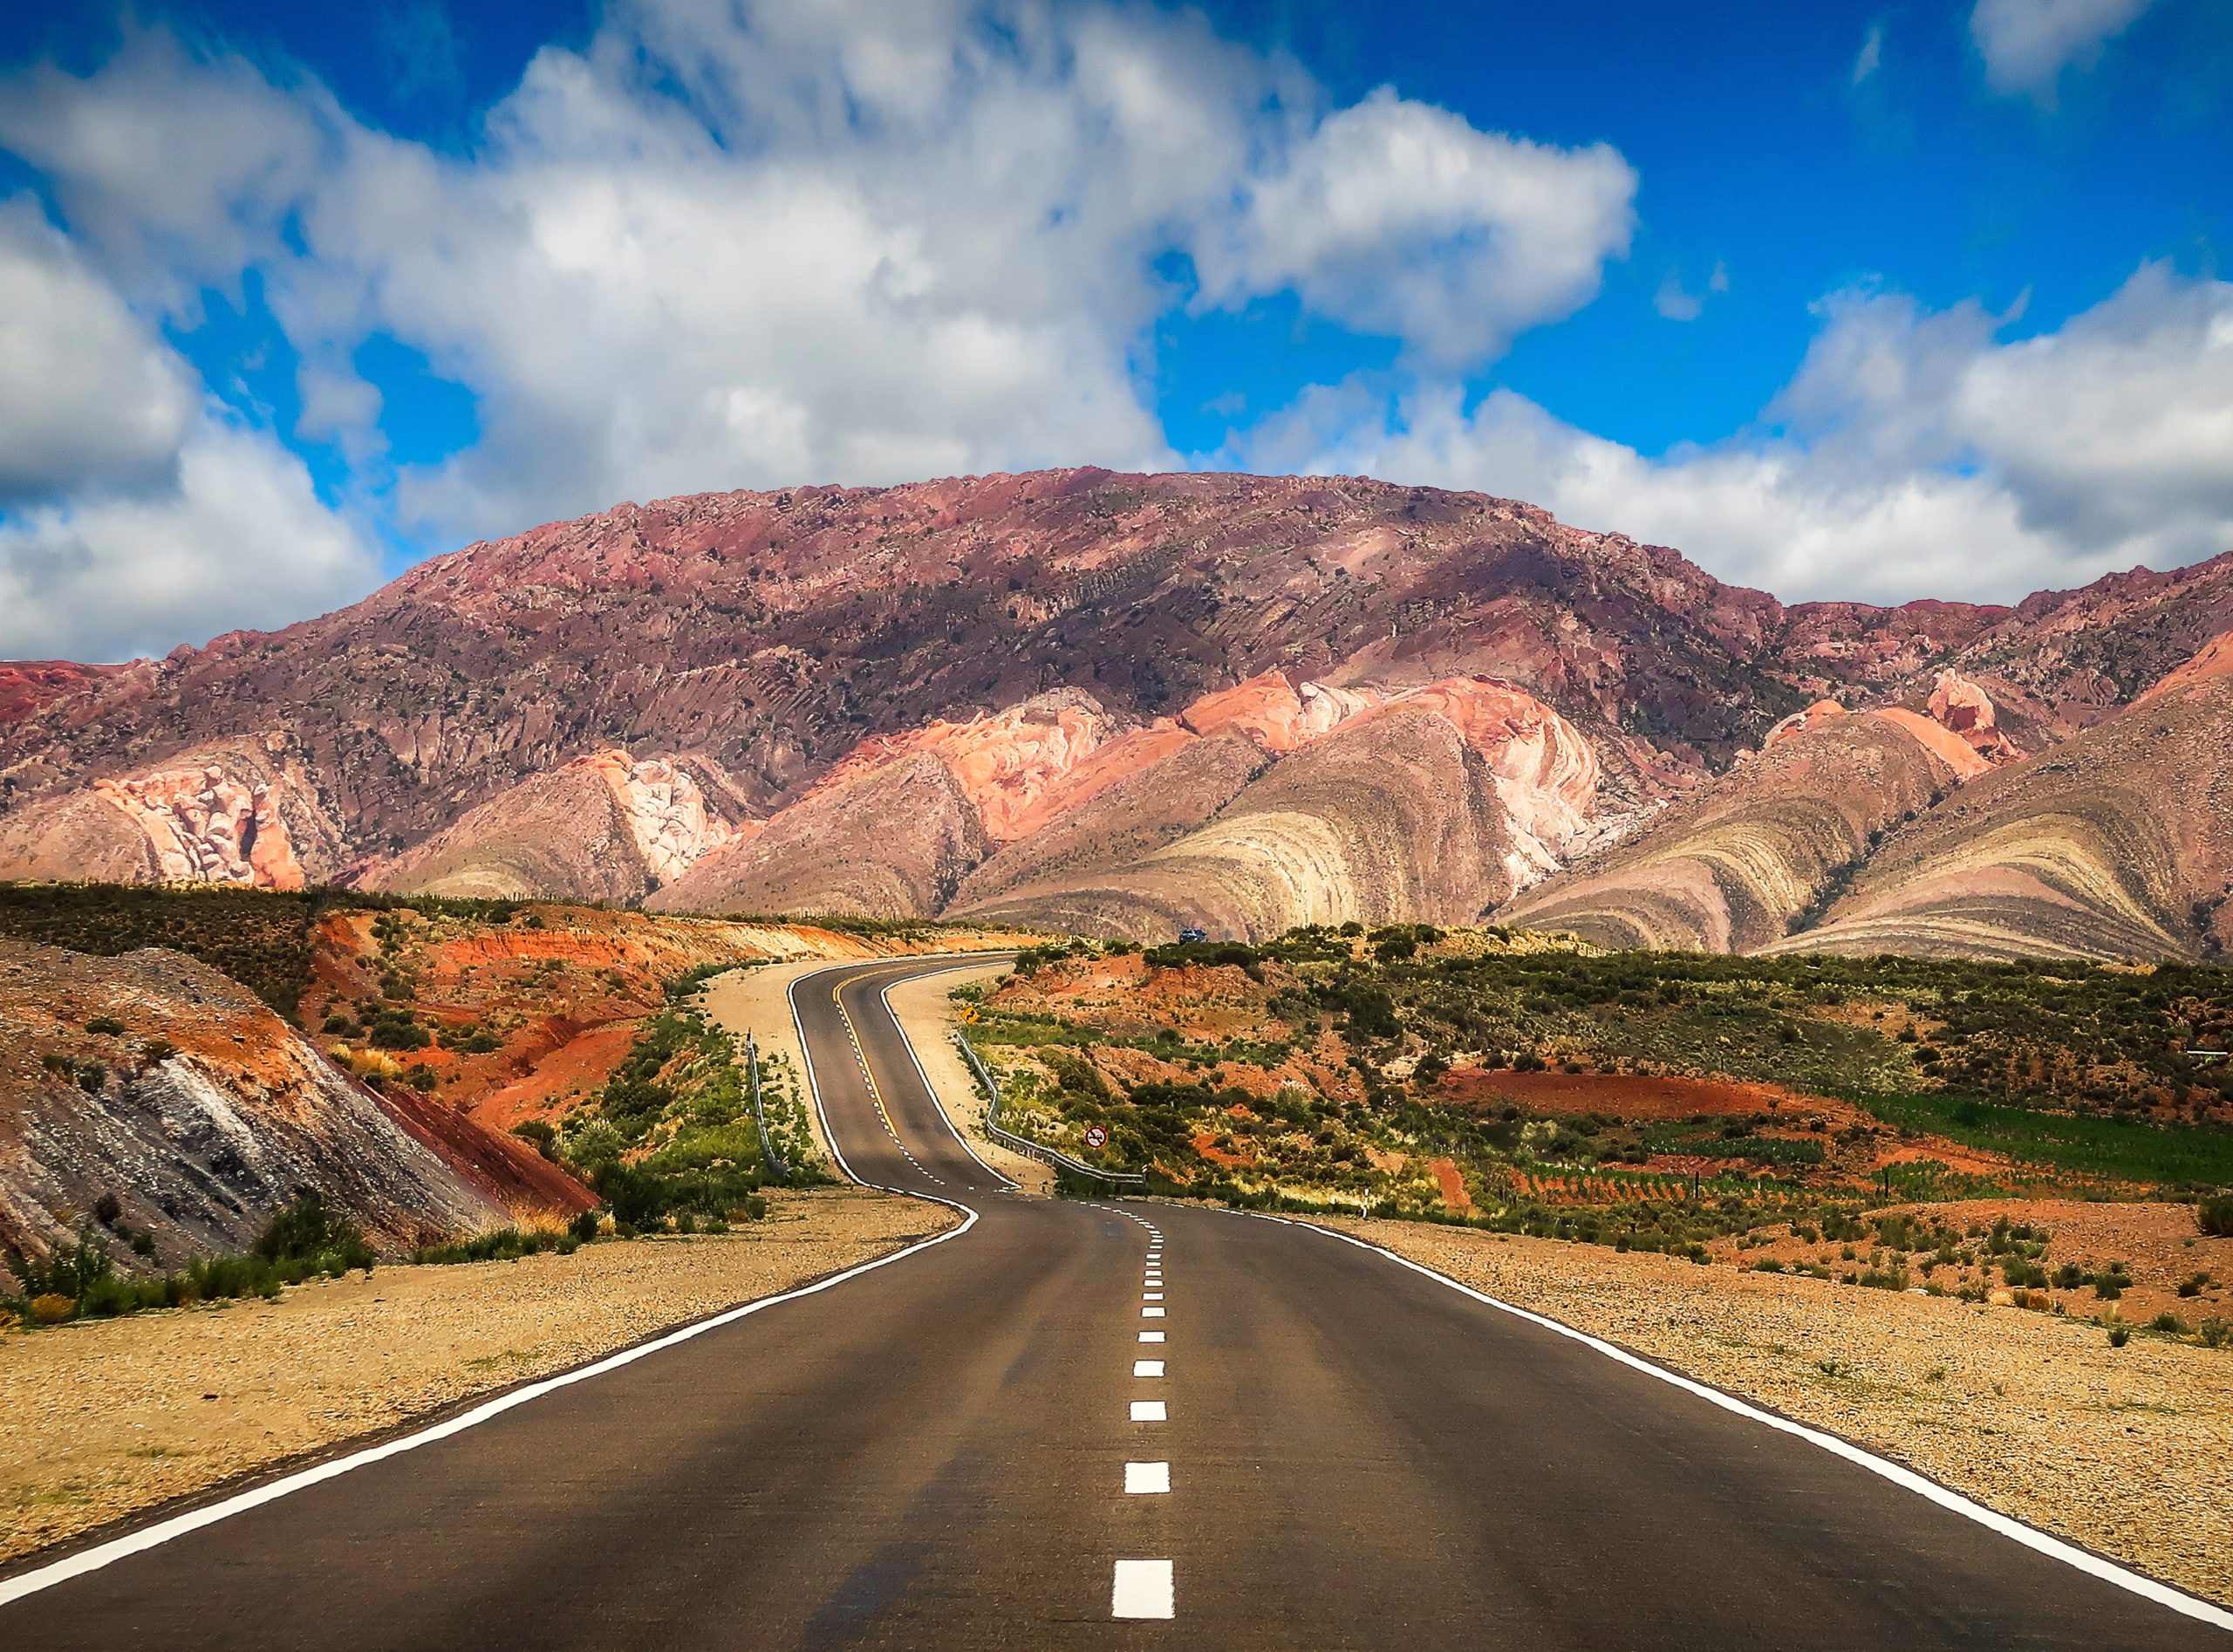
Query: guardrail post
x=760, y=1113
x=1024, y=1144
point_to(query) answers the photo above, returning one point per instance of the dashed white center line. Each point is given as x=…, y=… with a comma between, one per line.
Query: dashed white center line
x=1151, y=1336
x=1151, y=1296
x=1147, y=1368
x=1151, y=1411
x=1143, y=1590
x=1146, y=1479
x=1150, y=1312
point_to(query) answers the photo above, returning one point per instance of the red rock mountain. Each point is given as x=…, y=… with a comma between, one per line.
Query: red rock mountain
x=1083, y=699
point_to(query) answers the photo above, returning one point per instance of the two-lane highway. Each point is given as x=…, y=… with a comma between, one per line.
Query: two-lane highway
x=1099, y=1425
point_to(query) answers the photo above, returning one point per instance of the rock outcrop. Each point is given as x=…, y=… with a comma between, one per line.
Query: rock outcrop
x=1748, y=858
x=603, y=827
x=207, y=1113
x=246, y=812
x=2115, y=843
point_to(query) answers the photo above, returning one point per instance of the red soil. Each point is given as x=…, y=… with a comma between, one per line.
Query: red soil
x=1625, y=1095
x=1447, y=1177
x=507, y=1170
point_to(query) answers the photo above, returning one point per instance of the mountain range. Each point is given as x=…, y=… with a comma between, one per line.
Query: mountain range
x=1122, y=704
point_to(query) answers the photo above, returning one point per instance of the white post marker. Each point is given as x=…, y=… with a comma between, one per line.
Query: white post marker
x=1143, y=1590
x=1151, y=1411
x=1147, y=1368
x=1146, y=1479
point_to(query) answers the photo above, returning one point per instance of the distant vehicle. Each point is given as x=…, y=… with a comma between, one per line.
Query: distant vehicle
x=1186, y=936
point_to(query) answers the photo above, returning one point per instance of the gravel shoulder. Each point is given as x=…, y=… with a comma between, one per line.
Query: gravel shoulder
x=925, y=1012
x=2128, y=1451
x=108, y=1418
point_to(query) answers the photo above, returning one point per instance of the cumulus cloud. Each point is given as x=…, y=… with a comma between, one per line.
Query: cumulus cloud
x=133, y=514
x=1400, y=219
x=240, y=539
x=1914, y=453
x=765, y=242
x=86, y=397
x=2027, y=43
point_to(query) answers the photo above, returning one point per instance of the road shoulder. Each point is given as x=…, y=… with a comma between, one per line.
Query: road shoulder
x=110, y=1418
x=2128, y=1451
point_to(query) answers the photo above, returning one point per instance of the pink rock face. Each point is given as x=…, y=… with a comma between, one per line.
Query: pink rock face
x=1275, y=714
x=1799, y=721
x=665, y=811
x=206, y=826
x=1957, y=753
x=1963, y=707
x=1547, y=773
x=1005, y=763
x=1118, y=760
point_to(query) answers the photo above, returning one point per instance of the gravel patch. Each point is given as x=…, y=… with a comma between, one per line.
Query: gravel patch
x=107, y=1418
x=2128, y=1451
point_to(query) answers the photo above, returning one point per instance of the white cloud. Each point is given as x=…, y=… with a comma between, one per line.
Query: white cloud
x=1916, y=456
x=87, y=398
x=132, y=515
x=1870, y=57
x=240, y=540
x=753, y=242
x=2027, y=43
x=1400, y=219
x=1676, y=302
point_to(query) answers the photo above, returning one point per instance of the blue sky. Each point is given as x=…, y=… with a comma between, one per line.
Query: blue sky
x=1845, y=301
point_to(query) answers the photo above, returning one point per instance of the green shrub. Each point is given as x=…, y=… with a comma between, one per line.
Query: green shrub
x=2119, y=1336
x=2215, y=1215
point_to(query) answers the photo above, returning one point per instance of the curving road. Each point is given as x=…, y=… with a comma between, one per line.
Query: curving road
x=963, y=1449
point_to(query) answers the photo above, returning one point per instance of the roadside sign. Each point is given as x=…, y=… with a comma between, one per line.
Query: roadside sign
x=1096, y=1138
x=969, y=1016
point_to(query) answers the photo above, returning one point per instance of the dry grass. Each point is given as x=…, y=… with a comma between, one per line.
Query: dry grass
x=109, y=1418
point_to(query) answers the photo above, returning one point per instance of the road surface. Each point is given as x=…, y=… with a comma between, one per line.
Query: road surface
x=970, y=1448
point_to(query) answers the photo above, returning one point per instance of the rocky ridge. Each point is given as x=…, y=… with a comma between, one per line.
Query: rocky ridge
x=1071, y=697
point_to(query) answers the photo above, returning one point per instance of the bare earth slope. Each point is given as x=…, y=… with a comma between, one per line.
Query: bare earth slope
x=207, y=1113
x=2117, y=843
x=1733, y=868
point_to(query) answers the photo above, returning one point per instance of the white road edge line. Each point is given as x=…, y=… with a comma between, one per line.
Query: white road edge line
x=178, y=1525
x=930, y=1089
x=2053, y=1547
x=1142, y=1589
x=106, y=1555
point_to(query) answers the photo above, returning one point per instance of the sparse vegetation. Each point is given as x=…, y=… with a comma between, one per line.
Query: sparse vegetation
x=1411, y=1073
x=304, y=1240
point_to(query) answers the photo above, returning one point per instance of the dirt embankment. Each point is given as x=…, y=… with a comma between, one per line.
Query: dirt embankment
x=2126, y=1450
x=109, y=1417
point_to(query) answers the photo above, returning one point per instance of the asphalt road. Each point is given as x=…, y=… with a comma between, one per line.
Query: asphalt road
x=943, y=1453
